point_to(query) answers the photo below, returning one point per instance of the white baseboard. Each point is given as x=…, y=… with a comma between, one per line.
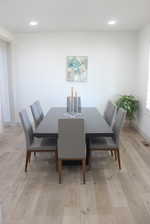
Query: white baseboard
x=11, y=123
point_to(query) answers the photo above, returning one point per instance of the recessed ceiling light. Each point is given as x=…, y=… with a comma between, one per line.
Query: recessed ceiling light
x=33, y=23
x=112, y=22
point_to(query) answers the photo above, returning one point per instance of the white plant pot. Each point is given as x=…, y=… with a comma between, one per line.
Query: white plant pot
x=128, y=123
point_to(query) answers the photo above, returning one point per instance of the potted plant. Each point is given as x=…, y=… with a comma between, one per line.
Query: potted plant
x=130, y=104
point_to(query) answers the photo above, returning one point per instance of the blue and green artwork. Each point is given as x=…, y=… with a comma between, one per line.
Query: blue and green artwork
x=77, y=68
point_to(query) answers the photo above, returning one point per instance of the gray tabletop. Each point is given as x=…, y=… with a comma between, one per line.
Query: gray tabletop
x=94, y=122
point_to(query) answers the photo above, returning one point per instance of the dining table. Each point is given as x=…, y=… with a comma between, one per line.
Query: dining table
x=95, y=124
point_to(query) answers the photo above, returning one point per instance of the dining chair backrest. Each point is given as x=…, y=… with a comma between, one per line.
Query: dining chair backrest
x=71, y=139
x=74, y=104
x=36, y=112
x=27, y=127
x=40, y=109
x=118, y=124
x=110, y=113
x=79, y=104
x=69, y=104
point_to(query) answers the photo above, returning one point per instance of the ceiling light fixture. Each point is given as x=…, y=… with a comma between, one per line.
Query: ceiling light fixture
x=33, y=23
x=112, y=22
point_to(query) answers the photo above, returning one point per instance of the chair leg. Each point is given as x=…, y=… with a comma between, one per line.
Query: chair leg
x=29, y=157
x=60, y=170
x=27, y=160
x=83, y=169
x=119, y=161
x=89, y=160
x=115, y=152
x=56, y=158
x=111, y=152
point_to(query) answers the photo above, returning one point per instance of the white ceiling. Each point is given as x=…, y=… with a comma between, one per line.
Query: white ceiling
x=73, y=15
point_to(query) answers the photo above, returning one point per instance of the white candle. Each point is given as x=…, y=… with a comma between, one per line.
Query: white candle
x=72, y=91
x=75, y=93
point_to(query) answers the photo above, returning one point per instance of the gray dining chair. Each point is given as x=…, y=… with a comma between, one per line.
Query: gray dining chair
x=35, y=144
x=40, y=109
x=71, y=143
x=108, y=143
x=79, y=105
x=74, y=106
x=37, y=113
x=110, y=113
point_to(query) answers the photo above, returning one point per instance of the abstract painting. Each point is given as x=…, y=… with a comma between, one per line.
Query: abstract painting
x=77, y=68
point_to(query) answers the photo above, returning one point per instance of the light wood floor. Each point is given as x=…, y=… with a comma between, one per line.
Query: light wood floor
x=110, y=196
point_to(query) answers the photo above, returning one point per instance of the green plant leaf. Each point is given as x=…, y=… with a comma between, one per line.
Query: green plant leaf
x=128, y=103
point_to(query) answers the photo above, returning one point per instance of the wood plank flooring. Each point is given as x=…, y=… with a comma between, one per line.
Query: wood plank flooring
x=109, y=196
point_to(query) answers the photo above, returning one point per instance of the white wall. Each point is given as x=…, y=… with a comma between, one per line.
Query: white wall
x=39, y=67
x=142, y=77
x=4, y=83
x=5, y=38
